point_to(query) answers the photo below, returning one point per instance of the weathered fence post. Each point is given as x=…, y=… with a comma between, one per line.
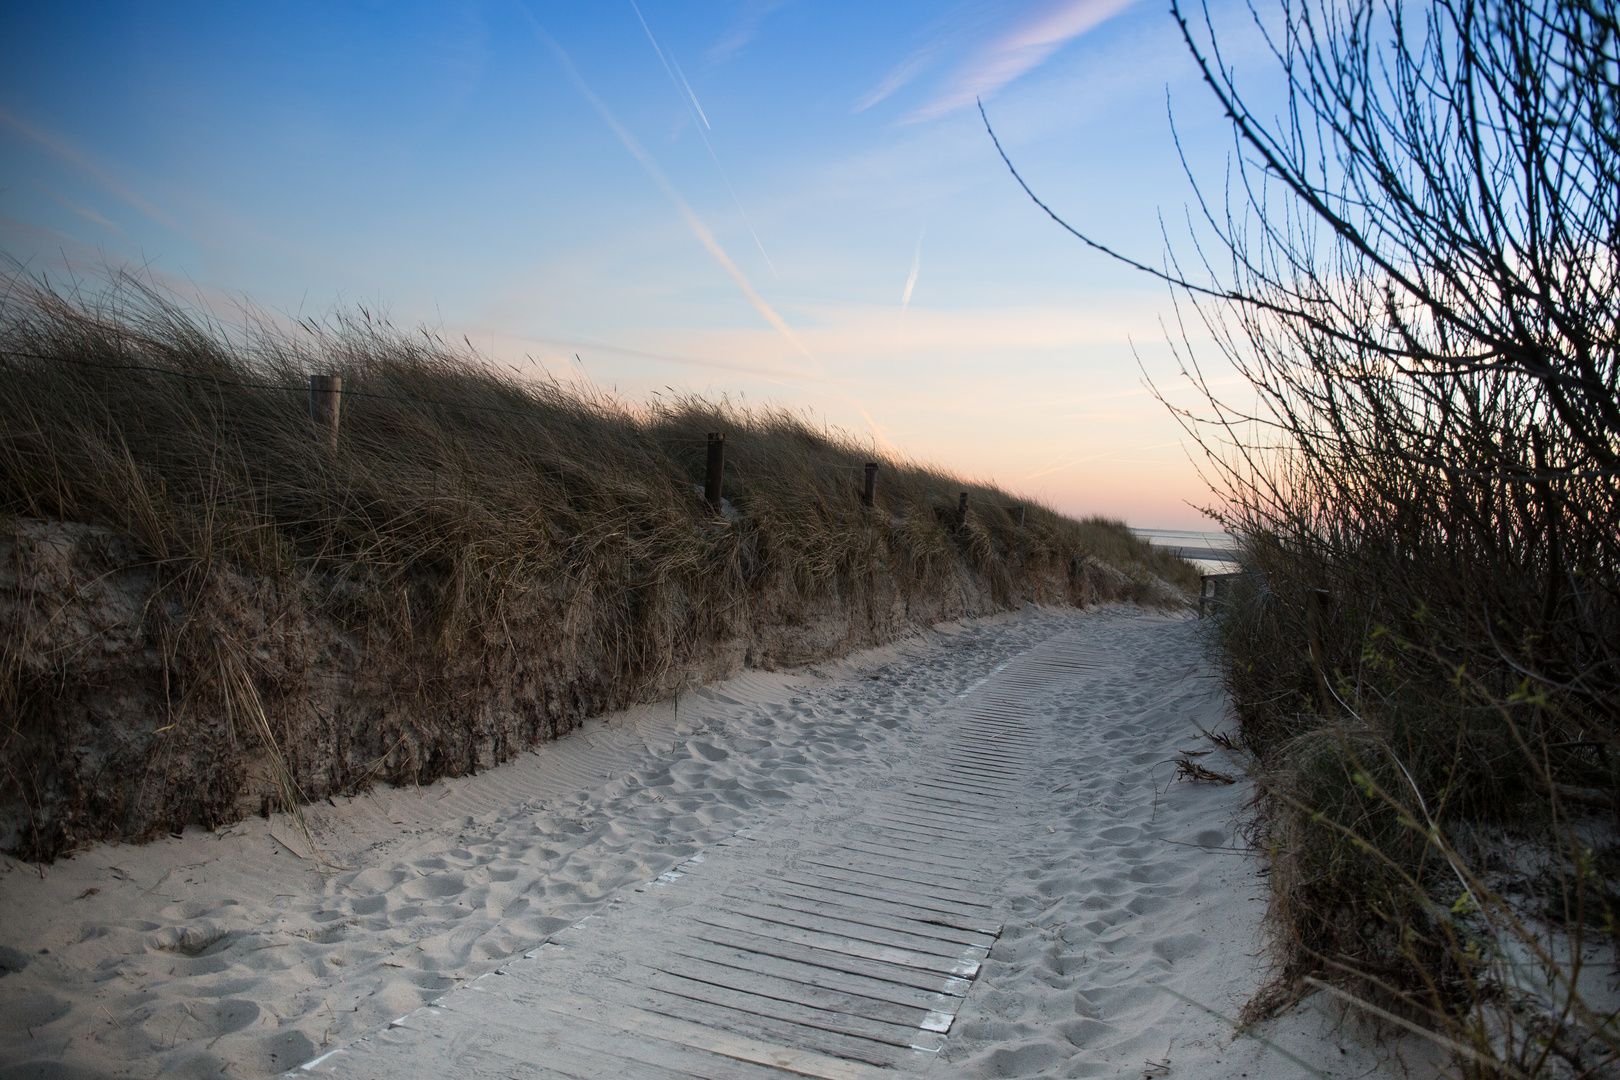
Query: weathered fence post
x=1018, y=514
x=325, y=396
x=961, y=508
x=869, y=492
x=716, y=469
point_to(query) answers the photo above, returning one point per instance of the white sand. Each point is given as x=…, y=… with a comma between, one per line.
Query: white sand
x=1132, y=920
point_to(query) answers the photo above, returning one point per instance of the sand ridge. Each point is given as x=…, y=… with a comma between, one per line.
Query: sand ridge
x=231, y=954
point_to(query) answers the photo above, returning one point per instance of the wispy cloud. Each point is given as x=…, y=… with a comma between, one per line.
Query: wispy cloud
x=83, y=211
x=1058, y=464
x=565, y=348
x=966, y=21
x=68, y=154
x=902, y=74
x=744, y=29
x=47, y=244
x=1020, y=47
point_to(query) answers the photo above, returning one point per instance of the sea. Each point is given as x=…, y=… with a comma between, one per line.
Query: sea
x=1211, y=552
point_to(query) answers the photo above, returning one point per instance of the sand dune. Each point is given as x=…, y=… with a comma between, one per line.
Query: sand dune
x=1131, y=914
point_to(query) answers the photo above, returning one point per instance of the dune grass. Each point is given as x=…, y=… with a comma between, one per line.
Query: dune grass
x=481, y=560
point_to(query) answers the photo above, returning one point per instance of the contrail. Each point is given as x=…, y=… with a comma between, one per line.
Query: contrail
x=679, y=82
x=682, y=74
x=916, y=264
x=678, y=77
x=699, y=229
x=911, y=284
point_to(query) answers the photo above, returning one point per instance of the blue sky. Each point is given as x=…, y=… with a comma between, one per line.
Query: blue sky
x=785, y=202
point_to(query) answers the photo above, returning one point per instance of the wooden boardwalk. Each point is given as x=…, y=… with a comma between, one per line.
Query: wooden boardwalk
x=839, y=947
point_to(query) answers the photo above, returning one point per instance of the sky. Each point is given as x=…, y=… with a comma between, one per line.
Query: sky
x=785, y=203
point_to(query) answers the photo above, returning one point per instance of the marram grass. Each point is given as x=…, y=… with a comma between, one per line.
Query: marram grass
x=482, y=559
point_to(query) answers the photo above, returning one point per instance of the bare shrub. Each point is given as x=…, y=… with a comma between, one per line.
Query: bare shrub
x=1415, y=271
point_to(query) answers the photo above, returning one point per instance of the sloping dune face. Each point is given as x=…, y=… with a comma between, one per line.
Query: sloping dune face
x=218, y=599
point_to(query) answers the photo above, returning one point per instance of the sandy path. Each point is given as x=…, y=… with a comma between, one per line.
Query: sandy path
x=1126, y=925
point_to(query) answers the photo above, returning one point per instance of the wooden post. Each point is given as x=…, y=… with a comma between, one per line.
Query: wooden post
x=325, y=396
x=869, y=493
x=1018, y=513
x=961, y=506
x=716, y=469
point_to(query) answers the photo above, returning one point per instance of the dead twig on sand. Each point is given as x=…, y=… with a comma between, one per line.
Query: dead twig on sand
x=1188, y=769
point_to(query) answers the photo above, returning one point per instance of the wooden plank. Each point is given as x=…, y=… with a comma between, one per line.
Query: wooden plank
x=962, y=879
x=820, y=975
x=979, y=768
x=922, y=812
x=990, y=767
x=924, y=804
x=978, y=777
x=910, y=882
x=516, y=1032
x=825, y=890
x=965, y=832
x=852, y=927
x=947, y=827
x=749, y=1024
x=936, y=798
x=919, y=893
x=945, y=852
x=987, y=790
x=849, y=963
x=853, y=946
x=875, y=923
x=932, y=832
x=876, y=914
x=923, y=844
x=821, y=1007
x=660, y=1025
x=1003, y=753
x=829, y=1033
x=958, y=869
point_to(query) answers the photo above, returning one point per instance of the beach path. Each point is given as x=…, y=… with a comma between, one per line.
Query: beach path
x=837, y=940
x=965, y=854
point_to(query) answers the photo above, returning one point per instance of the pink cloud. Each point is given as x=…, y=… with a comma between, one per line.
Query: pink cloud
x=67, y=153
